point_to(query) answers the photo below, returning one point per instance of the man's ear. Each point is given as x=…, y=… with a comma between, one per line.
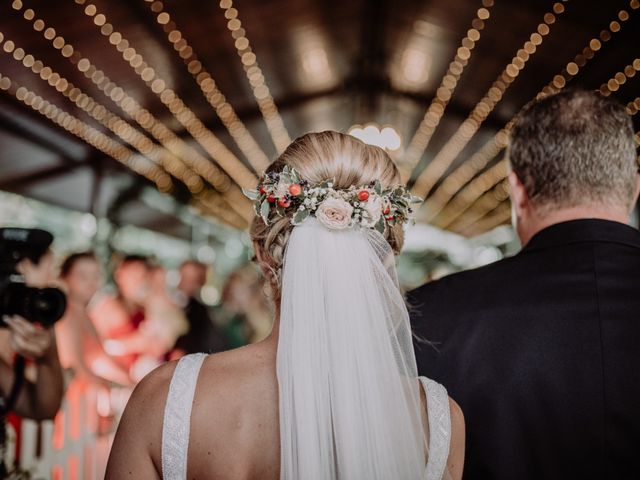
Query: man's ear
x=519, y=197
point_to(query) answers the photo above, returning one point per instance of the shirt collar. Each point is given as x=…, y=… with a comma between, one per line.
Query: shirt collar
x=584, y=230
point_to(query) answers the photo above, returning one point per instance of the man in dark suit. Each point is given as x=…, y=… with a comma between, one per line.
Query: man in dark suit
x=203, y=336
x=542, y=350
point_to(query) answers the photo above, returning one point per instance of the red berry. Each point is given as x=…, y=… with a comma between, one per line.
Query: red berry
x=284, y=203
x=363, y=195
x=387, y=210
x=390, y=218
x=271, y=199
x=295, y=189
x=262, y=190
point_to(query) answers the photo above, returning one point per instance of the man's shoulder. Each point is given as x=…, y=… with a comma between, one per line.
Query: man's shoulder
x=451, y=284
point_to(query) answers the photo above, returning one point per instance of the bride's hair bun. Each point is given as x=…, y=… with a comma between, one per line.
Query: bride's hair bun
x=319, y=157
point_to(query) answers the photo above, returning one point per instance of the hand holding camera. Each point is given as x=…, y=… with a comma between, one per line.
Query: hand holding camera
x=30, y=340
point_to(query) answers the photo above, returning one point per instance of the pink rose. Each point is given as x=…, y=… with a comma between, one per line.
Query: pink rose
x=373, y=211
x=334, y=213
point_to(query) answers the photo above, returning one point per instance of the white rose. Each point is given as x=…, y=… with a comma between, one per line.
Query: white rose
x=334, y=213
x=373, y=207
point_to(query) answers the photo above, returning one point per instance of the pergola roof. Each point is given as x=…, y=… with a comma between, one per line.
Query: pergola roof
x=327, y=65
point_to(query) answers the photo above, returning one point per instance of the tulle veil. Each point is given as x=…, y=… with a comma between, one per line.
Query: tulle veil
x=348, y=389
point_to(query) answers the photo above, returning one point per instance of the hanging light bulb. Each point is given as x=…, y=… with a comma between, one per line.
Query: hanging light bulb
x=387, y=137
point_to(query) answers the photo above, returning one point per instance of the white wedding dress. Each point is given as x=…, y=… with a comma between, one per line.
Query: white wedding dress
x=177, y=415
x=348, y=388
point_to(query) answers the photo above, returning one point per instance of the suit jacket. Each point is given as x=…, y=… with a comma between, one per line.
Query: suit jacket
x=542, y=352
x=203, y=336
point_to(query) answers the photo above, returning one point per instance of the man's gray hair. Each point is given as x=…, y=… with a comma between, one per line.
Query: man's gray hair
x=575, y=148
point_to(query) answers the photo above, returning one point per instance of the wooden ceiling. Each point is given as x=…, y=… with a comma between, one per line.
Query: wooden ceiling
x=324, y=64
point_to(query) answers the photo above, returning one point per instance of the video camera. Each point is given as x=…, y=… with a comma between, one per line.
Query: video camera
x=37, y=305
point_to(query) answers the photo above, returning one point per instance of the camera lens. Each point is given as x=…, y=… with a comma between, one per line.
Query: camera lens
x=38, y=305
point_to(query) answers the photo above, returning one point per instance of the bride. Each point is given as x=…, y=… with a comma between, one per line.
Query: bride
x=333, y=392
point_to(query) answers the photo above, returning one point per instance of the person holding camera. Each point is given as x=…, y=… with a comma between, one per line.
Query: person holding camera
x=41, y=394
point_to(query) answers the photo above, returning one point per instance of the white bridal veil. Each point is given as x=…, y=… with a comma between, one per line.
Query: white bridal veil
x=349, y=396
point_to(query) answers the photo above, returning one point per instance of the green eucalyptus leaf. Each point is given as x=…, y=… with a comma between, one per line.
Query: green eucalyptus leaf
x=300, y=216
x=251, y=194
x=380, y=226
x=264, y=211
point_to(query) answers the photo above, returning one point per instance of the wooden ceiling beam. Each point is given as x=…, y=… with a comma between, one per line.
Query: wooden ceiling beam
x=9, y=125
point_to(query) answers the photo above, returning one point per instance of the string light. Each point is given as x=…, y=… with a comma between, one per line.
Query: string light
x=189, y=120
x=261, y=92
x=478, y=186
x=385, y=137
x=446, y=156
x=581, y=59
x=633, y=107
x=463, y=174
x=209, y=203
x=207, y=84
x=421, y=138
x=485, y=204
x=118, y=126
x=558, y=82
x=156, y=128
x=88, y=134
x=498, y=216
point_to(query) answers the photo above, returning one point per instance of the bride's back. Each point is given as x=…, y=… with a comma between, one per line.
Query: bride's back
x=233, y=429
x=234, y=421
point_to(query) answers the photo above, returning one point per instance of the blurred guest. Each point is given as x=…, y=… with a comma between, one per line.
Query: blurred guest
x=244, y=298
x=164, y=322
x=78, y=342
x=203, y=336
x=117, y=316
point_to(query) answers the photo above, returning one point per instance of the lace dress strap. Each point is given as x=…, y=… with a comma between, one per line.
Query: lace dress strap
x=177, y=416
x=439, y=428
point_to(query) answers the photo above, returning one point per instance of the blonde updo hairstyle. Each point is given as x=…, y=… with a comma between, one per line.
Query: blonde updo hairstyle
x=318, y=157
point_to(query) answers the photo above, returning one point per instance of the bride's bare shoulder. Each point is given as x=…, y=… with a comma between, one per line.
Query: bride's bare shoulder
x=136, y=447
x=231, y=379
x=223, y=380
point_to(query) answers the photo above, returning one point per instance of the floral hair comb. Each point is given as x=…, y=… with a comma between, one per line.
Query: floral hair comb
x=370, y=206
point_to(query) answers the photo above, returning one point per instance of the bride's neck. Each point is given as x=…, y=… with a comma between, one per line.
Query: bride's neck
x=273, y=336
